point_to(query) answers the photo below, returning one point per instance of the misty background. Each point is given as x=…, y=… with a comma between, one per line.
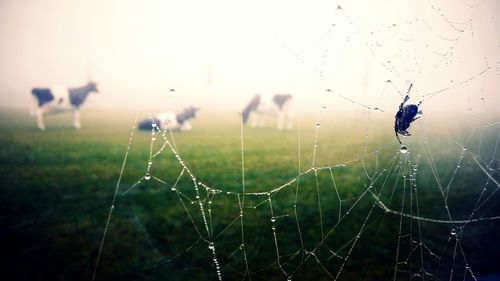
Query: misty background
x=339, y=59
x=219, y=53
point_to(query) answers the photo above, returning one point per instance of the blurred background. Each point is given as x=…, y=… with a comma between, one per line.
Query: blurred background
x=223, y=52
x=315, y=194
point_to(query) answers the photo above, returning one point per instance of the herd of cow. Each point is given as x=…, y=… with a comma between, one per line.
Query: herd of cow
x=62, y=99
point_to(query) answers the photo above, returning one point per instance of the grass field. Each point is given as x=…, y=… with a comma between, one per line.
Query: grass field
x=57, y=187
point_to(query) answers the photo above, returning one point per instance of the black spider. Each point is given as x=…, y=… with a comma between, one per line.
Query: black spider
x=405, y=115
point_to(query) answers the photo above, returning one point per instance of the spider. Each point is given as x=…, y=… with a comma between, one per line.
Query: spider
x=405, y=115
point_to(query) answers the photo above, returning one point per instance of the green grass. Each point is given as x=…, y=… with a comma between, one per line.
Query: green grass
x=57, y=187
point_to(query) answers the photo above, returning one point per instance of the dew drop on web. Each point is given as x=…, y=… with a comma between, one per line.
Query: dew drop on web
x=403, y=149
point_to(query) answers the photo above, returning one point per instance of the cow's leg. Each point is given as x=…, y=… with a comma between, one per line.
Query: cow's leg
x=39, y=118
x=262, y=119
x=287, y=113
x=281, y=119
x=262, y=123
x=255, y=119
x=289, y=124
x=289, y=117
x=34, y=105
x=186, y=126
x=76, y=119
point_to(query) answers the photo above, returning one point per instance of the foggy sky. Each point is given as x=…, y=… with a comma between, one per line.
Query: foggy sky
x=221, y=52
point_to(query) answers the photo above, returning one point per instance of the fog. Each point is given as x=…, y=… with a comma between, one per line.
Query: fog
x=219, y=53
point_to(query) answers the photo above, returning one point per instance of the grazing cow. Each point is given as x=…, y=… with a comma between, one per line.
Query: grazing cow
x=170, y=120
x=59, y=99
x=277, y=104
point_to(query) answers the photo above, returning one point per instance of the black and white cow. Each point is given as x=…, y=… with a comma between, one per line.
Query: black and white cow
x=271, y=105
x=169, y=120
x=59, y=99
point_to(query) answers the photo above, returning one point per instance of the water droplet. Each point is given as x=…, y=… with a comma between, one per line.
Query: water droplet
x=318, y=125
x=150, y=162
x=172, y=90
x=289, y=278
x=328, y=90
x=273, y=219
x=147, y=176
x=403, y=149
x=211, y=245
x=172, y=188
x=453, y=232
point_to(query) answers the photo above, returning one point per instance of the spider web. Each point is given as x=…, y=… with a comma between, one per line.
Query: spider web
x=420, y=213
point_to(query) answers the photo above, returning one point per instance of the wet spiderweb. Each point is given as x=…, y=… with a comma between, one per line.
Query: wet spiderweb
x=361, y=208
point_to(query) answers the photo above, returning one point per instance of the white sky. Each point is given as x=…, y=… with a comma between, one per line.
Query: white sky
x=222, y=52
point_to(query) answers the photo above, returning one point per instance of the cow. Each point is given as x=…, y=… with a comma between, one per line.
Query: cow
x=59, y=99
x=266, y=104
x=169, y=120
